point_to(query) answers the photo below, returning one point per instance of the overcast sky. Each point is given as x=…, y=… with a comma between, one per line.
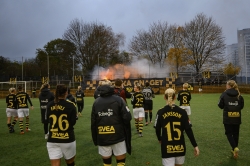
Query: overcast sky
x=26, y=25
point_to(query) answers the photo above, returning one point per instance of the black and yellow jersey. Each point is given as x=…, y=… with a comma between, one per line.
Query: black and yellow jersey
x=148, y=93
x=62, y=118
x=22, y=99
x=11, y=101
x=184, y=96
x=170, y=124
x=137, y=100
x=79, y=96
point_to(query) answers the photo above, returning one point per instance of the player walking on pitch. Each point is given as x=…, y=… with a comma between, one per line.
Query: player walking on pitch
x=148, y=104
x=11, y=110
x=137, y=100
x=184, y=96
x=170, y=124
x=23, y=108
x=110, y=125
x=61, y=142
x=45, y=97
x=80, y=100
x=232, y=103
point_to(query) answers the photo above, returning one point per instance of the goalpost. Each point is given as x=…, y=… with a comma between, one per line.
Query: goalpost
x=7, y=85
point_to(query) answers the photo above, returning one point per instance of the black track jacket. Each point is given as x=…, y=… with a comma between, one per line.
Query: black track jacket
x=232, y=104
x=45, y=97
x=110, y=119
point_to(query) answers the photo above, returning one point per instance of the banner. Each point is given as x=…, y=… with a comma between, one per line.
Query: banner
x=45, y=80
x=155, y=83
x=13, y=80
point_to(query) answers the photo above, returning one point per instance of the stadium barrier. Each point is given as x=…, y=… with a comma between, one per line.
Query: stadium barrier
x=159, y=85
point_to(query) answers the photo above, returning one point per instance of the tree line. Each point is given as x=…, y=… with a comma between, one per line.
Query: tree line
x=195, y=46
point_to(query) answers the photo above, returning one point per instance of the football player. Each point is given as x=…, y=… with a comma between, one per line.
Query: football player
x=148, y=105
x=170, y=124
x=61, y=114
x=80, y=100
x=184, y=96
x=45, y=97
x=137, y=100
x=232, y=103
x=110, y=126
x=23, y=108
x=11, y=110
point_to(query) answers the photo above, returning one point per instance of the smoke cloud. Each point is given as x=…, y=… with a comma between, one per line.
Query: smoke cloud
x=138, y=69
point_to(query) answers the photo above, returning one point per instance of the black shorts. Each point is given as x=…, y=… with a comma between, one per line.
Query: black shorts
x=148, y=105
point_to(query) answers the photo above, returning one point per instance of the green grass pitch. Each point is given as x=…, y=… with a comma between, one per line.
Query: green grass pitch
x=30, y=149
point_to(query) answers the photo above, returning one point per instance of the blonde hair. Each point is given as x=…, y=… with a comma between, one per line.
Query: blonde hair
x=105, y=82
x=232, y=84
x=138, y=86
x=185, y=86
x=170, y=95
x=45, y=85
x=79, y=87
x=11, y=90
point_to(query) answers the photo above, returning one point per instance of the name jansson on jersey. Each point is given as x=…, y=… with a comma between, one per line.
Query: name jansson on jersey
x=176, y=114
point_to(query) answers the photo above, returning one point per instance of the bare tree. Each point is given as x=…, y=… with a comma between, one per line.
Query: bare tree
x=177, y=58
x=204, y=38
x=94, y=42
x=152, y=44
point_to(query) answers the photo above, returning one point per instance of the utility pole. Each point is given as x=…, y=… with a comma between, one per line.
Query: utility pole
x=48, y=66
x=246, y=56
x=73, y=72
x=22, y=68
x=98, y=67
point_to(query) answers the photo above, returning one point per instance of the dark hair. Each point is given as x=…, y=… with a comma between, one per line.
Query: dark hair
x=68, y=90
x=147, y=84
x=61, y=90
x=118, y=82
x=20, y=88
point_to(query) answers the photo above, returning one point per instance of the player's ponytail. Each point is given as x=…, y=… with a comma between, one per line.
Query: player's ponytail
x=233, y=84
x=45, y=85
x=138, y=86
x=170, y=95
x=20, y=88
x=79, y=88
x=61, y=90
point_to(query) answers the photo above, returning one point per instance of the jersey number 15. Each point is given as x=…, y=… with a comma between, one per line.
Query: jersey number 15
x=172, y=130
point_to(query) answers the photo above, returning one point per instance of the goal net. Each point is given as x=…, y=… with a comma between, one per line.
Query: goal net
x=6, y=85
